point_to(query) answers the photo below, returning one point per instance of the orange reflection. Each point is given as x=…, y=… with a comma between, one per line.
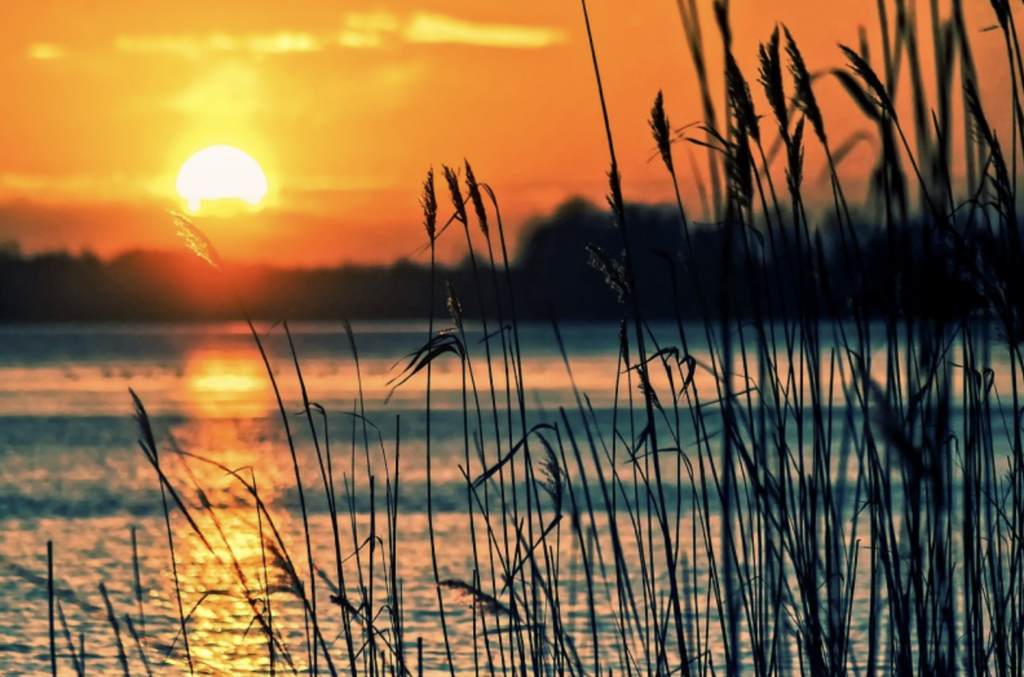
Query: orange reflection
x=222, y=384
x=236, y=584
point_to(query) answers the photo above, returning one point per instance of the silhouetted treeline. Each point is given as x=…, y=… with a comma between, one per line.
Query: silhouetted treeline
x=570, y=266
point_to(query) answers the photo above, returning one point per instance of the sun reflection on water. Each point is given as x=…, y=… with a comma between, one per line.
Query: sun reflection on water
x=227, y=384
x=236, y=584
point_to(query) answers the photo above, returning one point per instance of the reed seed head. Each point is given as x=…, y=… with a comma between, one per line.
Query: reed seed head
x=973, y=105
x=771, y=79
x=740, y=101
x=614, y=271
x=287, y=579
x=804, y=96
x=615, y=199
x=739, y=165
x=480, y=599
x=662, y=131
x=196, y=241
x=553, y=479
x=452, y=177
x=476, y=199
x=863, y=70
x=428, y=200
x=454, y=305
x=643, y=384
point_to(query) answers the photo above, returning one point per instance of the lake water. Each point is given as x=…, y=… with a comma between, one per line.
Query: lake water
x=72, y=472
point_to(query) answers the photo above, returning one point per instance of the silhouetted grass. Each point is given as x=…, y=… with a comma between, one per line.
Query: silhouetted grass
x=769, y=482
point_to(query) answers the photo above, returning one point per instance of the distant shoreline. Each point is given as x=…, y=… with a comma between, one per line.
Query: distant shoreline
x=565, y=269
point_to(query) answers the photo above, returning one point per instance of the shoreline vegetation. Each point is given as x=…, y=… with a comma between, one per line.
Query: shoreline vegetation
x=819, y=495
x=557, y=274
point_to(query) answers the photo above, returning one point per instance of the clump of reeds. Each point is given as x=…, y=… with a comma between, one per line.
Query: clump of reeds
x=819, y=475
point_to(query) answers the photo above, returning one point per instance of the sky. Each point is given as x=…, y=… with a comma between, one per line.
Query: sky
x=346, y=105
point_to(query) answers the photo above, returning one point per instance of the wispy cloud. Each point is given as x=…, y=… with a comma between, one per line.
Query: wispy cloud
x=283, y=43
x=367, y=30
x=441, y=29
x=360, y=30
x=196, y=46
x=45, y=51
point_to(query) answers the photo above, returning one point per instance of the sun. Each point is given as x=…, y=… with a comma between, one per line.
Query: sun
x=221, y=173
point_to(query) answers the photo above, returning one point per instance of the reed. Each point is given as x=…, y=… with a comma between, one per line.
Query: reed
x=51, y=600
x=821, y=475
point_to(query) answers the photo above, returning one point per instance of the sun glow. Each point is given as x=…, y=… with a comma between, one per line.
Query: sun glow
x=221, y=173
x=225, y=384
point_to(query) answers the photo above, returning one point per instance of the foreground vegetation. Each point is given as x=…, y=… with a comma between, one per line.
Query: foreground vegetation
x=760, y=488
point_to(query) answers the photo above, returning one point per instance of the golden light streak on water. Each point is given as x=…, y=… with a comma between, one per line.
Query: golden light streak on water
x=229, y=578
x=227, y=384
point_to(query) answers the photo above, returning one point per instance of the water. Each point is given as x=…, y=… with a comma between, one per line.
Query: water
x=72, y=472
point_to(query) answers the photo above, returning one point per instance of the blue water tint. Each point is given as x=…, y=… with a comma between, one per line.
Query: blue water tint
x=72, y=472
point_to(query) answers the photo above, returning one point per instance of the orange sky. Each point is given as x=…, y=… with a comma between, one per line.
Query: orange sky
x=346, y=105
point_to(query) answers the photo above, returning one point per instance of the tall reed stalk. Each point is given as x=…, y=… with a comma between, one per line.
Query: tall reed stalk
x=822, y=473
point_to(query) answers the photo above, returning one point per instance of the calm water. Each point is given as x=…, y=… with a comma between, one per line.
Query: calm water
x=72, y=472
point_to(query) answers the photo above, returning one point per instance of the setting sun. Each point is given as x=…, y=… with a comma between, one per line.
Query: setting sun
x=745, y=275
x=221, y=173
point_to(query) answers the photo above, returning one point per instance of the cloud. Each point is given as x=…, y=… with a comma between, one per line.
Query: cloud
x=367, y=30
x=197, y=46
x=45, y=51
x=283, y=43
x=439, y=29
x=360, y=30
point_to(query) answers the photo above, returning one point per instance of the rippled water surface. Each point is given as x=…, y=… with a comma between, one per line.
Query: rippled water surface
x=72, y=473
